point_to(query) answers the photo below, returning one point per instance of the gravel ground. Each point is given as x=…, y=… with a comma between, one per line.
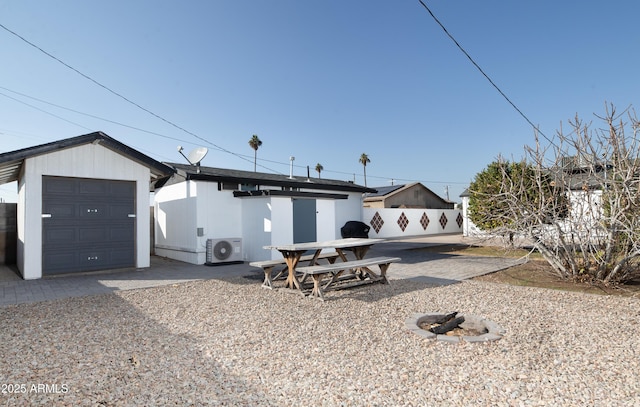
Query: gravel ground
x=232, y=343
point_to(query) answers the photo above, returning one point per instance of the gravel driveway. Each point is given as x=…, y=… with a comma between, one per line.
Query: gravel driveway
x=229, y=342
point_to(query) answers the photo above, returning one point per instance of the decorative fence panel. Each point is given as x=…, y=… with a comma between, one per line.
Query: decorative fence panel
x=398, y=222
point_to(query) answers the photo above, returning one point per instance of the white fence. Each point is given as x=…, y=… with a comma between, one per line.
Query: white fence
x=392, y=222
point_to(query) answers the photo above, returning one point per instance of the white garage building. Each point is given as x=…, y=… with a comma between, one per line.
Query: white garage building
x=83, y=205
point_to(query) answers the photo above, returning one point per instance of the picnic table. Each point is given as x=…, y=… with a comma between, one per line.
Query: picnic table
x=293, y=252
x=358, y=246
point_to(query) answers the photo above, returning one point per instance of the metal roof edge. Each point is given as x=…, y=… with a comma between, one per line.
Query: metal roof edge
x=211, y=174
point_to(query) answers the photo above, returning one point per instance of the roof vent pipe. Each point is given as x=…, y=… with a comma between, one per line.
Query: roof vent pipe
x=291, y=158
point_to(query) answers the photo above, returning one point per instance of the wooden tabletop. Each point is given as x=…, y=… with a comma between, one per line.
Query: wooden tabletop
x=330, y=244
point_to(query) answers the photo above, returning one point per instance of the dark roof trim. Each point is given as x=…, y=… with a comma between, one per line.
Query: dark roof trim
x=11, y=162
x=292, y=194
x=211, y=174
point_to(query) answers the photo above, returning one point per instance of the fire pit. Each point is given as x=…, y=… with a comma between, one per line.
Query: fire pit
x=454, y=327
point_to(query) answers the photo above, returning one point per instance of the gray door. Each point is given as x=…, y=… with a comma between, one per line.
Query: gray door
x=87, y=224
x=304, y=220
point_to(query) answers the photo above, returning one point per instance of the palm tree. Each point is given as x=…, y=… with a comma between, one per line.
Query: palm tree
x=319, y=168
x=364, y=159
x=255, y=143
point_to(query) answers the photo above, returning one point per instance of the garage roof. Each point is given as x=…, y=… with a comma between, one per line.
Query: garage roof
x=11, y=162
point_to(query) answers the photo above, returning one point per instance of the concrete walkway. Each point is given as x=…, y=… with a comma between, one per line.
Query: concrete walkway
x=416, y=264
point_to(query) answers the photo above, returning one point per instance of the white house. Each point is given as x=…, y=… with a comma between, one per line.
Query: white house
x=584, y=194
x=198, y=208
x=83, y=205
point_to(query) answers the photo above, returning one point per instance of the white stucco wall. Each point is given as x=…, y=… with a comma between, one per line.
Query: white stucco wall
x=218, y=212
x=259, y=221
x=175, y=222
x=346, y=210
x=414, y=227
x=183, y=208
x=281, y=220
x=85, y=161
x=256, y=227
x=468, y=227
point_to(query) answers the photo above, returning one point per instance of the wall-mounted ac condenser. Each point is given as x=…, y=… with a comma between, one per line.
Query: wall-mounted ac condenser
x=221, y=251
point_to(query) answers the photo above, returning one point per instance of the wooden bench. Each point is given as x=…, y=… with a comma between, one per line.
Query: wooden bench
x=336, y=269
x=268, y=265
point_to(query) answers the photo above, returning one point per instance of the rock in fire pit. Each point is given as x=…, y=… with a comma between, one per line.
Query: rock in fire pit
x=454, y=327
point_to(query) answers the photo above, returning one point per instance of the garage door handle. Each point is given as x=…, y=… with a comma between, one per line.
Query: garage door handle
x=46, y=215
x=131, y=215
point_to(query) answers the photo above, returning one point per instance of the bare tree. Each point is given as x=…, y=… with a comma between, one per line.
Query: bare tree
x=577, y=200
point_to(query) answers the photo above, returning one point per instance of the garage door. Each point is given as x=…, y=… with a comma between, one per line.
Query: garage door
x=87, y=224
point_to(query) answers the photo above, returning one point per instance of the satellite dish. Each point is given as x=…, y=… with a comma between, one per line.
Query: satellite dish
x=195, y=156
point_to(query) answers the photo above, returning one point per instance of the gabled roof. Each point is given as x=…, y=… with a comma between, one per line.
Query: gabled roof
x=386, y=190
x=11, y=162
x=212, y=174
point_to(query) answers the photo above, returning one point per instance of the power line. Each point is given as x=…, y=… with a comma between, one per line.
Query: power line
x=169, y=122
x=484, y=73
x=84, y=114
x=243, y=157
x=45, y=112
x=247, y=157
x=181, y=140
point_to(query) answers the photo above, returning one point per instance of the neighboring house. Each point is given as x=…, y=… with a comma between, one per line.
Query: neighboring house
x=199, y=206
x=413, y=195
x=584, y=195
x=83, y=205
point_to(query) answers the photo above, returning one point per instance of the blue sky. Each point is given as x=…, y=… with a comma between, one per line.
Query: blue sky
x=324, y=81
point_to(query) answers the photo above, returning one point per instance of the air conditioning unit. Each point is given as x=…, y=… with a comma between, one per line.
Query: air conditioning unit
x=224, y=251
